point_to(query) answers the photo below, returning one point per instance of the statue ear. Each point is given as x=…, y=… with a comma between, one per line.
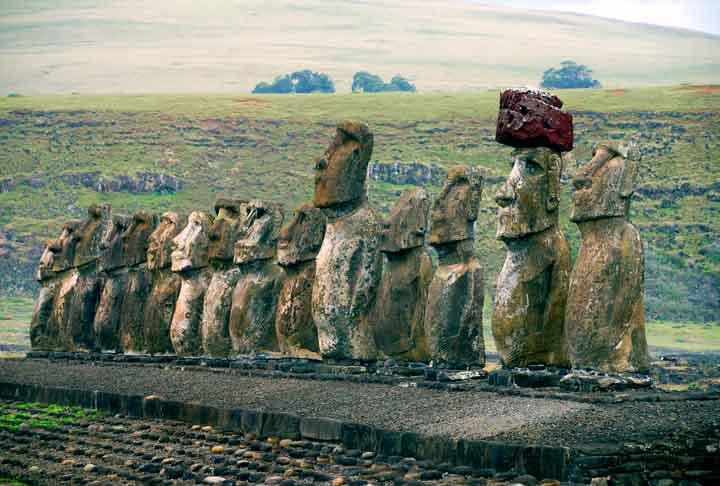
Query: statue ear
x=553, y=173
x=476, y=186
x=628, y=178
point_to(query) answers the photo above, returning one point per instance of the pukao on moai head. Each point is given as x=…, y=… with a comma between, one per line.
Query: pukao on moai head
x=90, y=234
x=531, y=291
x=298, y=245
x=406, y=274
x=349, y=262
x=190, y=261
x=605, y=317
x=227, y=227
x=160, y=242
x=254, y=299
x=453, y=315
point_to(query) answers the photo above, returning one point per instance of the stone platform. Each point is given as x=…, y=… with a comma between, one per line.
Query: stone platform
x=534, y=431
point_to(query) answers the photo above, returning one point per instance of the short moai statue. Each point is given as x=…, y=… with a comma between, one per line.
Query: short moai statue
x=453, y=315
x=160, y=304
x=227, y=228
x=349, y=263
x=114, y=282
x=190, y=261
x=531, y=290
x=408, y=269
x=42, y=336
x=254, y=298
x=137, y=289
x=299, y=242
x=605, y=315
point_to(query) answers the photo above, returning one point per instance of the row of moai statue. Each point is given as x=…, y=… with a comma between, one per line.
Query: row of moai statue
x=337, y=281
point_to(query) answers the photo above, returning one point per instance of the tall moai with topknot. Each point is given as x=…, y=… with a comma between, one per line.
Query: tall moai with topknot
x=605, y=314
x=229, y=225
x=453, y=315
x=349, y=262
x=254, y=298
x=132, y=316
x=299, y=242
x=407, y=271
x=160, y=304
x=190, y=262
x=531, y=290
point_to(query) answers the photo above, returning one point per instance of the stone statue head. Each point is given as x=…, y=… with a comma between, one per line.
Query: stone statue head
x=227, y=228
x=341, y=172
x=91, y=233
x=258, y=240
x=160, y=241
x=456, y=207
x=111, y=246
x=47, y=260
x=408, y=222
x=301, y=238
x=604, y=186
x=136, y=237
x=63, y=248
x=190, y=247
x=530, y=196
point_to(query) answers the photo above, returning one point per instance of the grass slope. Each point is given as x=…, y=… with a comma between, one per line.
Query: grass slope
x=181, y=46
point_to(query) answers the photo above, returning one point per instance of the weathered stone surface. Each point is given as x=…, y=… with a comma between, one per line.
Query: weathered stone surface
x=111, y=245
x=90, y=234
x=45, y=267
x=605, y=316
x=407, y=270
x=531, y=290
x=63, y=248
x=74, y=309
x=456, y=207
x=299, y=243
x=341, y=171
x=160, y=304
x=453, y=315
x=132, y=319
x=190, y=260
x=530, y=118
x=258, y=238
x=228, y=225
x=40, y=338
x=136, y=238
x=214, y=330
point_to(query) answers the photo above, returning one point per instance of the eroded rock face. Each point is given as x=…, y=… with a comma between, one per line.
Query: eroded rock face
x=531, y=289
x=228, y=225
x=605, y=317
x=63, y=248
x=41, y=337
x=456, y=207
x=254, y=298
x=90, y=234
x=407, y=270
x=190, y=261
x=299, y=243
x=348, y=265
x=531, y=118
x=136, y=238
x=160, y=304
x=111, y=245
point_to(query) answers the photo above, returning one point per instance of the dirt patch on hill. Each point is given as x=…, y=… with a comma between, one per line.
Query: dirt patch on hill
x=618, y=92
x=702, y=89
x=250, y=101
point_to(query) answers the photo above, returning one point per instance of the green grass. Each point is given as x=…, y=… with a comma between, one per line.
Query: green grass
x=15, y=313
x=13, y=415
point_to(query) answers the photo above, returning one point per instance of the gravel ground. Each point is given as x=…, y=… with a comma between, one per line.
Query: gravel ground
x=470, y=415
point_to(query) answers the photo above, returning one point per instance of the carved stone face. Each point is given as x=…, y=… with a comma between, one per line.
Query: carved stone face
x=341, y=172
x=63, y=248
x=111, y=246
x=604, y=186
x=45, y=268
x=408, y=221
x=529, y=197
x=301, y=238
x=258, y=240
x=90, y=234
x=190, y=247
x=160, y=241
x=456, y=207
x=227, y=228
x=135, y=238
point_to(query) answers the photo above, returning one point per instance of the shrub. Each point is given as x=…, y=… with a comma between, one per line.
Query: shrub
x=365, y=82
x=569, y=75
x=305, y=81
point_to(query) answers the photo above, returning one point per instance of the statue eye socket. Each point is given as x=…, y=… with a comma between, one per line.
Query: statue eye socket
x=532, y=167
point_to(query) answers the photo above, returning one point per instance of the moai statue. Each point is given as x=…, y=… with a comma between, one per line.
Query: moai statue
x=114, y=281
x=254, y=298
x=408, y=269
x=605, y=315
x=228, y=226
x=160, y=304
x=41, y=337
x=453, y=315
x=190, y=261
x=531, y=291
x=132, y=316
x=349, y=263
x=298, y=245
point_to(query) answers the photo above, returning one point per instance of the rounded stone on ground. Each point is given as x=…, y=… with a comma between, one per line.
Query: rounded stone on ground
x=89, y=468
x=218, y=449
x=339, y=481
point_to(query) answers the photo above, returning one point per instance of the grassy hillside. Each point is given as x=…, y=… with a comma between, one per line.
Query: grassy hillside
x=61, y=153
x=227, y=45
